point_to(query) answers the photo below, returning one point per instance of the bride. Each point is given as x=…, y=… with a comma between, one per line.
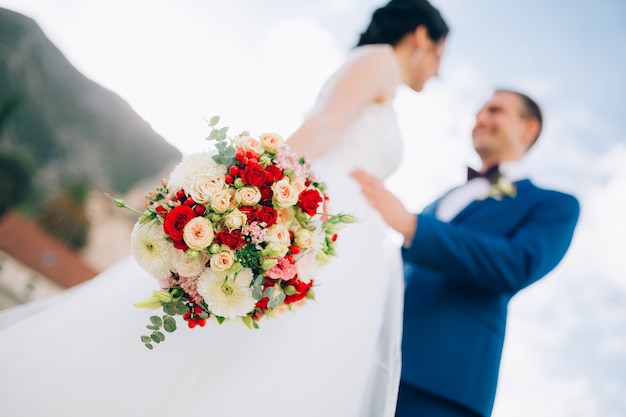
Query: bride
x=80, y=355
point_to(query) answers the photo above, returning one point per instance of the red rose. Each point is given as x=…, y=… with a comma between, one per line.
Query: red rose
x=301, y=290
x=266, y=192
x=274, y=174
x=309, y=200
x=250, y=212
x=231, y=239
x=254, y=175
x=176, y=220
x=267, y=215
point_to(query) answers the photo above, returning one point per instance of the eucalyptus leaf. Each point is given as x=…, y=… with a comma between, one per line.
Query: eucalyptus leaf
x=181, y=309
x=157, y=337
x=169, y=308
x=145, y=339
x=257, y=293
x=149, y=346
x=169, y=324
x=152, y=327
x=214, y=120
x=156, y=320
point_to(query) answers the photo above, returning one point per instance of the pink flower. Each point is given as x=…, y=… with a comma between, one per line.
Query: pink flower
x=254, y=231
x=190, y=286
x=285, y=269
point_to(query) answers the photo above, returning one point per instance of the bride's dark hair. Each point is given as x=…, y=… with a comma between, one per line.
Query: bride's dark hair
x=391, y=22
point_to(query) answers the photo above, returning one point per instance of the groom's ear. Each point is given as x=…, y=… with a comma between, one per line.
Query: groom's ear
x=530, y=131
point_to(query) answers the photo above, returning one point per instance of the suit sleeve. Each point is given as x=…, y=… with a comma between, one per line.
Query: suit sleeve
x=495, y=263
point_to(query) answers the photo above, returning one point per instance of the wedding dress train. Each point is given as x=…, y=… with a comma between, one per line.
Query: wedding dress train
x=79, y=354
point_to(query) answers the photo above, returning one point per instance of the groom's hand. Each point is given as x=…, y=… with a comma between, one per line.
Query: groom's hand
x=387, y=204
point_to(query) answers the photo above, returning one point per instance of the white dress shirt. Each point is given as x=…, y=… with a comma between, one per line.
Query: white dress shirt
x=459, y=198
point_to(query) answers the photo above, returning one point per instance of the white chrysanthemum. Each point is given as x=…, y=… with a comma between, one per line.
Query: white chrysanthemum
x=151, y=249
x=227, y=297
x=192, y=167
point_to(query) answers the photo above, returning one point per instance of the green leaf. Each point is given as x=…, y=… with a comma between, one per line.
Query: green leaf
x=169, y=324
x=145, y=339
x=247, y=320
x=156, y=320
x=149, y=346
x=268, y=292
x=157, y=337
x=169, y=308
x=214, y=120
x=151, y=327
x=181, y=309
x=257, y=293
x=222, y=132
x=219, y=319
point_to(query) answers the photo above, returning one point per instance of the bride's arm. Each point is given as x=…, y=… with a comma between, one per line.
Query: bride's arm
x=370, y=77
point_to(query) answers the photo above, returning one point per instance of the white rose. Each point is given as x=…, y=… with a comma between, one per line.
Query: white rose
x=198, y=233
x=279, y=234
x=271, y=142
x=300, y=184
x=285, y=194
x=304, y=238
x=249, y=143
x=221, y=201
x=235, y=219
x=248, y=196
x=188, y=267
x=286, y=216
x=204, y=188
x=222, y=262
x=307, y=266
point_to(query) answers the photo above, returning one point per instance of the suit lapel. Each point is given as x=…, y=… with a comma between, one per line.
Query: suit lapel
x=478, y=205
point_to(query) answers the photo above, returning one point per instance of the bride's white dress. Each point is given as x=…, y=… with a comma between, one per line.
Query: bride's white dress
x=79, y=354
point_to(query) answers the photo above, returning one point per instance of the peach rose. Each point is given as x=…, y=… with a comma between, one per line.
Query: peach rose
x=271, y=142
x=285, y=194
x=222, y=262
x=198, y=233
x=248, y=196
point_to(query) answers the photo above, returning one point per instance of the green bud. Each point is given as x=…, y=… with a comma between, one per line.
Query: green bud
x=157, y=299
x=237, y=267
x=215, y=248
x=192, y=254
x=347, y=218
x=269, y=263
x=290, y=290
x=238, y=183
x=274, y=250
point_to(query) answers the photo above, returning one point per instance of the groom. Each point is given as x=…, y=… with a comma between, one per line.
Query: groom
x=466, y=255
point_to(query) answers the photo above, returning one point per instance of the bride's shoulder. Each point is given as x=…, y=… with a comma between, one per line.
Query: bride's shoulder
x=379, y=58
x=374, y=51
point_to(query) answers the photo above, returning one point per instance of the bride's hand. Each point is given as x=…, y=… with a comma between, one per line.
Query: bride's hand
x=388, y=205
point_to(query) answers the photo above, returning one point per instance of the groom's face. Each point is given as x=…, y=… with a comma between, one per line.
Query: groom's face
x=498, y=128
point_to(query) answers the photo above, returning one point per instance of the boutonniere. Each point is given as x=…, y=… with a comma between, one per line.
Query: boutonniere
x=501, y=187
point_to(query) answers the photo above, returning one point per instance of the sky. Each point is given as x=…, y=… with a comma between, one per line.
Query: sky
x=259, y=65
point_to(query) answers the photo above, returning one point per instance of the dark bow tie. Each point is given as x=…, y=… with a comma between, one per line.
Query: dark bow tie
x=490, y=175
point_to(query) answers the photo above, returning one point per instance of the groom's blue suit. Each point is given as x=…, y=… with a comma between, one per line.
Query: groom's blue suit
x=460, y=277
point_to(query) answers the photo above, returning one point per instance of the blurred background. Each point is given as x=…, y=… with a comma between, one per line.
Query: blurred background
x=102, y=97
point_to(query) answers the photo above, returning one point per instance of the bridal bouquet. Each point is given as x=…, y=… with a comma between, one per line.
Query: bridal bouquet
x=235, y=234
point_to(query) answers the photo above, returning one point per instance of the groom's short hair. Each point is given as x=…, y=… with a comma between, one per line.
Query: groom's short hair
x=530, y=108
